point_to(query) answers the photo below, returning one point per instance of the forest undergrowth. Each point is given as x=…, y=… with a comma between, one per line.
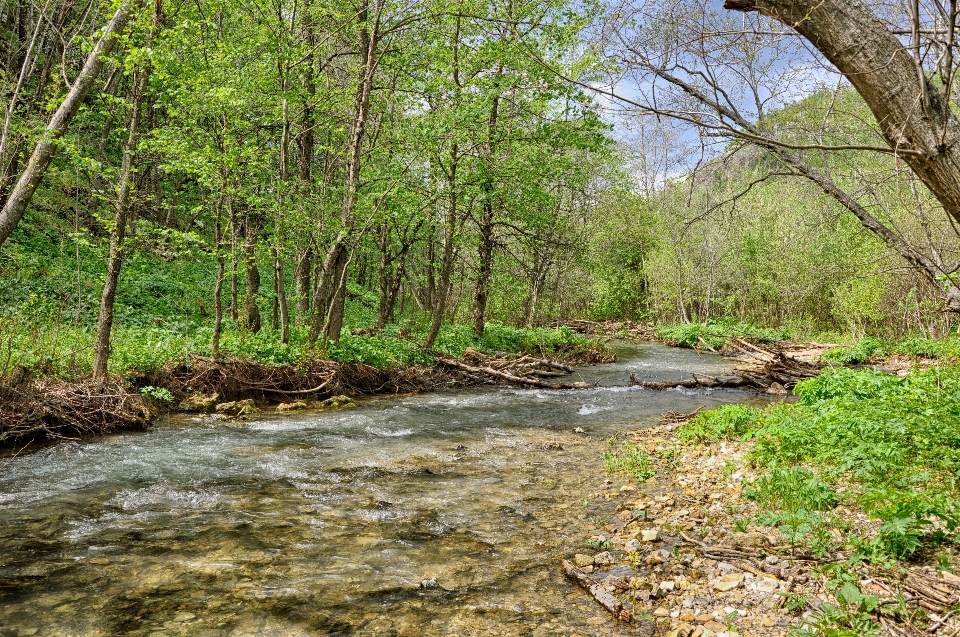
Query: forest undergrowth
x=860, y=474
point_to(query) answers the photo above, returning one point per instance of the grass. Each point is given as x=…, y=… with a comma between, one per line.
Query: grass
x=629, y=459
x=728, y=421
x=868, y=348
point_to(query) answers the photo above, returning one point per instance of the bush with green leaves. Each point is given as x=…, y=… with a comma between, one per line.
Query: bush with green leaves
x=726, y=422
x=887, y=444
x=916, y=347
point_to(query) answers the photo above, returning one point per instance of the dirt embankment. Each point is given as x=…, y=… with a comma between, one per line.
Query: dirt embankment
x=34, y=410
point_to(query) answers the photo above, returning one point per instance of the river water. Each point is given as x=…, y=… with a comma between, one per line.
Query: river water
x=439, y=514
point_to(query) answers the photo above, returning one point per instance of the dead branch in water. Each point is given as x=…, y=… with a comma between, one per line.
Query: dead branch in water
x=766, y=367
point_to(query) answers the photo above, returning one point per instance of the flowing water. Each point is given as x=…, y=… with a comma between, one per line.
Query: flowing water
x=440, y=514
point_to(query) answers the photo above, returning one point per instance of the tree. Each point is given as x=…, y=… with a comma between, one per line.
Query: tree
x=16, y=203
x=724, y=78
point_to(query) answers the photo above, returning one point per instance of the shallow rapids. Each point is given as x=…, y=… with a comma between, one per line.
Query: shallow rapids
x=441, y=514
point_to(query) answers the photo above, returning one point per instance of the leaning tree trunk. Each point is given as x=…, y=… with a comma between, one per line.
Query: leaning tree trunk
x=117, y=235
x=16, y=204
x=912, y=112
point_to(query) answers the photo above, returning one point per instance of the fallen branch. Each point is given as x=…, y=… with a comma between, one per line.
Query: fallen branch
x=599, y=593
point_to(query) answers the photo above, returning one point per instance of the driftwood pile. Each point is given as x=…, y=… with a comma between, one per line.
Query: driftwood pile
x=50, y=409
x=517, y=370
x=767, y=367
x=618, y=329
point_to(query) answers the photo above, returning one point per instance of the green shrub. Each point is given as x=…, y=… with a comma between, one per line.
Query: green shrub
x=791, y=489
x=728, y=421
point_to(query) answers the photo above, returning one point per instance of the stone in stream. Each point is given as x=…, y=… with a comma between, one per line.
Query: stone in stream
x=199, y=403
x=336, y=402
x=292, y=406
x=237, y=408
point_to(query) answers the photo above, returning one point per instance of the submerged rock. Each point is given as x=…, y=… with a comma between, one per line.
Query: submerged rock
x=199, y=403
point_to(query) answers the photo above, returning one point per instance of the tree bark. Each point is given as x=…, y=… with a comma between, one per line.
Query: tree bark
x=117, y=235
x=485, y=249
x=301, y=278
x=485, y=257
x=16, y=204
x=877, y=64
x=218, y=284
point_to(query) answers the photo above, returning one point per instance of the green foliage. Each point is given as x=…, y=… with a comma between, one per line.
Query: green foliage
x=850, y=616
x=598, y=544
x=725, y=422
x=714, y=333
x=791, y=489
x=869, y=347
x=157, y=393
x=630, y=459
x=858, y=436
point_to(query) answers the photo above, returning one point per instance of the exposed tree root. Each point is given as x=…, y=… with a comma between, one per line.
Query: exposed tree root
x=52, y=409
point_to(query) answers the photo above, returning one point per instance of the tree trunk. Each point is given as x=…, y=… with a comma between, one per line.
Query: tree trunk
x=281, y=296
x=485, y=249
x=117, y=235
x=335, y=263
x=251, y=311
x=16, y=204
x=301, y=278
x=485, y=256
x=234, y=266
x=218, y=285
x=446, y=263
x=912, y=112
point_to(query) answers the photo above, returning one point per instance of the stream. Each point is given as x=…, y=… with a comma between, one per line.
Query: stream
x=439, y=514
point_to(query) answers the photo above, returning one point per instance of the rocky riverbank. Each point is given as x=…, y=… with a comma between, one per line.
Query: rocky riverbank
x=672, y=554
